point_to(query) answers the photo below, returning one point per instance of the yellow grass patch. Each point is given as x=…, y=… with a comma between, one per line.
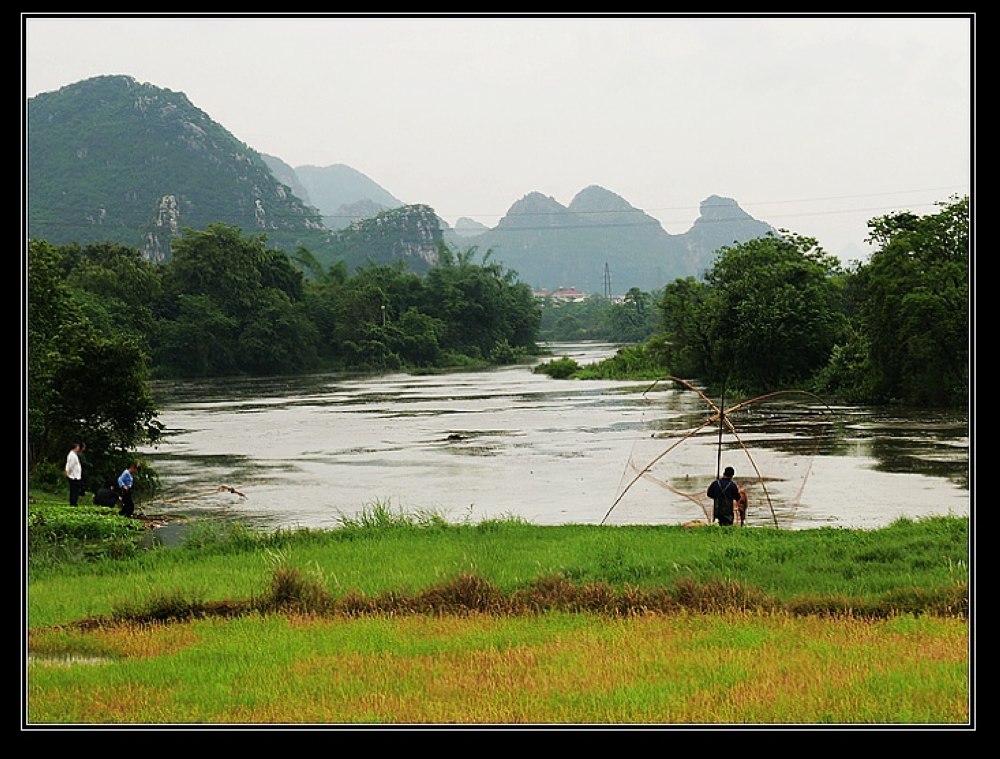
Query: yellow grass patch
x=554, y=669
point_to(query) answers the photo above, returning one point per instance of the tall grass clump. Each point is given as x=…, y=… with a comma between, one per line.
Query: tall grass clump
x=380, y=515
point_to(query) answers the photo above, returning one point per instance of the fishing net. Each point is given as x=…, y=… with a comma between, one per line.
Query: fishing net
x=684, y=443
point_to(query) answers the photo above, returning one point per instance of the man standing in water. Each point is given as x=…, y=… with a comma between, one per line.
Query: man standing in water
x=723, y=492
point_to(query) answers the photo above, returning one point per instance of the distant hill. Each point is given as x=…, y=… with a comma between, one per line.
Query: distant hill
x=552, y=246
x=409, y=233
x=342, y=193
x=110, y=158
x=286, y=175
x=465, y=227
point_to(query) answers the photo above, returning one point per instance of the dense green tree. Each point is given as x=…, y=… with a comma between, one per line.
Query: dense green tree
x=419, y=338
x=233, y=306
x=914, y=306
x=690, y=320
x=780, y=311
x=483, y=306
x=82, y=384
x=321, y=305
x=634, y=319
x=121, y=287
x=848, y=374
x=220, y=263
x=766, y=317
x=279, y=339
x=50, y=309
x=200, y=341
x=359, y=314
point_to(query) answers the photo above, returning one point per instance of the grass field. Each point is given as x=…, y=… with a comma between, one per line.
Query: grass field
x=397, y=619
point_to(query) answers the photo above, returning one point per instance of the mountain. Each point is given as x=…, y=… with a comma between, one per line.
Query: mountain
x=466, y=227
x=410, y=233
x=286, y=175
x=343, y=194
x=600, y=235
x=720, y=222
x=112, y=159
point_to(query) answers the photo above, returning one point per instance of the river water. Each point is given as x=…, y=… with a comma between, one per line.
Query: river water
x=467, y=446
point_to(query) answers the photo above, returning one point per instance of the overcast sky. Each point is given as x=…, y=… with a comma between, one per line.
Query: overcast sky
x=813, y=124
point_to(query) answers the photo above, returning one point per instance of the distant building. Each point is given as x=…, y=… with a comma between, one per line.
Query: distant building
x=563, y=295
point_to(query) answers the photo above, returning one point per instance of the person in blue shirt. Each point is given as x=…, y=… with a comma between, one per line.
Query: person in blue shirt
x=126, y=483
x=723, y=492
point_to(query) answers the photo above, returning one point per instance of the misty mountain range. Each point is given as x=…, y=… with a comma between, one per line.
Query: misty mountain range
x=113, y=159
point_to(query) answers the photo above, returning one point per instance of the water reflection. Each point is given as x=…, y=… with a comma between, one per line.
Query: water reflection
x=307, y=451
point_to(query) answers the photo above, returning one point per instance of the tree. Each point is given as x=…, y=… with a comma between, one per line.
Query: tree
x=689, y=317
x=219, y=263
x=280, y=339
x=634, y=319
x=82, y=385
x=914, y=306
x=419, y=338
x=486, y=309
x=199, y=341
x=114, y=284
x=780, y=311
x=766, y=317
x=233, y=306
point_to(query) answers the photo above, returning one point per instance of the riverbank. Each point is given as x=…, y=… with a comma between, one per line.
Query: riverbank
x=911, y=566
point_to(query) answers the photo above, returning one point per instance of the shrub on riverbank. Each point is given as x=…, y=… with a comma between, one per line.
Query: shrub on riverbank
x=631, y=362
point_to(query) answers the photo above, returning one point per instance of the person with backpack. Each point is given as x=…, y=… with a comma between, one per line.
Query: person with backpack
x=107, y=495
x=723, y=492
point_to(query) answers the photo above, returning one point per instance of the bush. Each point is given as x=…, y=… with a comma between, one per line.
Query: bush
x=63, y=533
x=47, y=476
x=560, y=368
x=631, y=362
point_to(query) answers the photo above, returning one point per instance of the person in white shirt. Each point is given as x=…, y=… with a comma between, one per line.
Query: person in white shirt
x=74, y=473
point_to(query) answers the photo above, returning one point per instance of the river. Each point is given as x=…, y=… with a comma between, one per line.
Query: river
x=314, y=450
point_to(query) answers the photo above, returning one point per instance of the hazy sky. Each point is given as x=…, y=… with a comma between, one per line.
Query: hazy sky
x=813, y=124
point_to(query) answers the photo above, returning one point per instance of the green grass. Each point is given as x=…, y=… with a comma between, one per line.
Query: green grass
x=909, y=566
x=400, y=618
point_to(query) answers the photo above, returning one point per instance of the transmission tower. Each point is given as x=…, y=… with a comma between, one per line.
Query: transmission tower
x=607, y=281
